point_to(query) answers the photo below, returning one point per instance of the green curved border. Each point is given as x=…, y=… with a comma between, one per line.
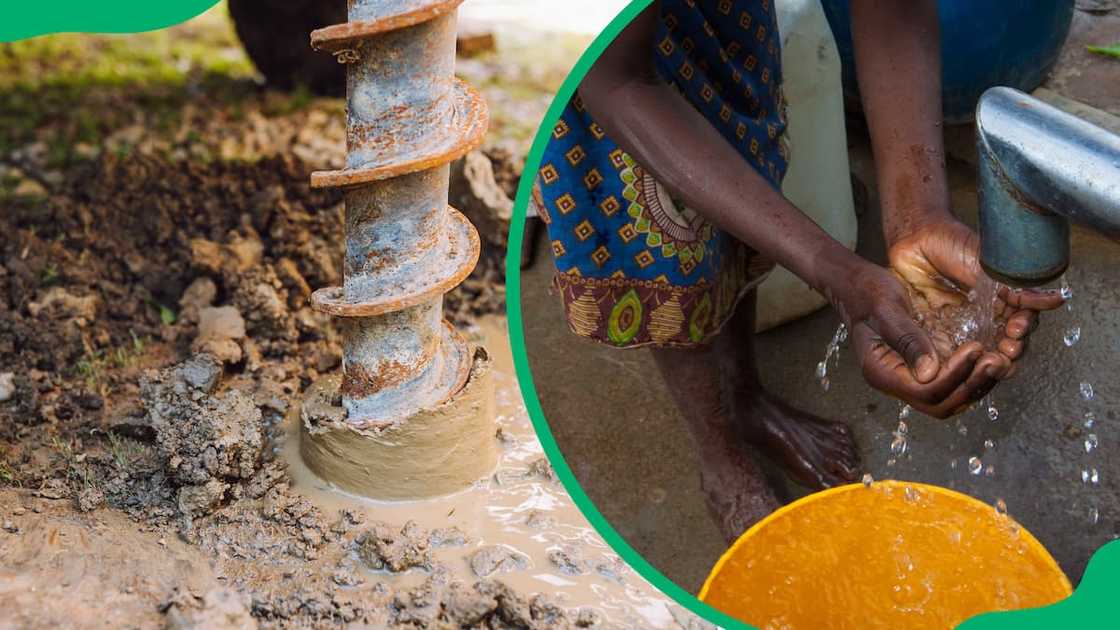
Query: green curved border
x=1085, y=609
x=23, y=18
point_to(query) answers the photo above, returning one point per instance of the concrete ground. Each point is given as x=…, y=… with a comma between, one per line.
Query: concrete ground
x=628, y=447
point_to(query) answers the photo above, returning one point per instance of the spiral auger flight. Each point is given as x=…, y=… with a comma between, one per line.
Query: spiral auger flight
x=408, y=118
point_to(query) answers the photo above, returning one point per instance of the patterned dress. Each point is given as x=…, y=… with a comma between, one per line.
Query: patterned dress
x=635, y=266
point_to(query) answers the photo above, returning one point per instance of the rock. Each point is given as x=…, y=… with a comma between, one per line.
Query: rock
x=204, y=441
x=201, y=499
x=260, y=296
x=244, y=253
x=298, y=289
x=541, y=469
x=476, y=194
x=206, y=255
x=383, y=548
x=448, y=537
x=219, y=329
x=497, y=559
x=201, y=372
x=587, y=617
x=199, y=295
x=7, y=386
x=60, y=303
x=90, y=498
x=30, y=188
x=612, y=568
x=568, y=560
x=222, y=322
x=220, y=609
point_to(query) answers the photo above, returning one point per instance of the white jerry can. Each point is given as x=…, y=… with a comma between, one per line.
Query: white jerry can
x=818, y=180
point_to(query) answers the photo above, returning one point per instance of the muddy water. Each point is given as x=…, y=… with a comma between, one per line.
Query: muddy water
x=519, y=507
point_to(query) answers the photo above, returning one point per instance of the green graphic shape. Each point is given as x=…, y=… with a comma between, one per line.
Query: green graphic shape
x=28, y=19
x=1085, y=609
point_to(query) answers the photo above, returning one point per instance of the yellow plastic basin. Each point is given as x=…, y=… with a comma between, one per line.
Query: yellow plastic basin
x=892, y=555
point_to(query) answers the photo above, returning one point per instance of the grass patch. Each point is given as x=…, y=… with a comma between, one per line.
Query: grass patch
x=1108, y=51
x=125, y=451
x=66, y=89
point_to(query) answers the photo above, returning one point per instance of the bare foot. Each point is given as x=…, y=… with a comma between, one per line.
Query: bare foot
x=815, y=452
x=734, y=489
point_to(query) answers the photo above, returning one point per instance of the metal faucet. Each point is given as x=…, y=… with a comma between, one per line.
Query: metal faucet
x=1040, y=168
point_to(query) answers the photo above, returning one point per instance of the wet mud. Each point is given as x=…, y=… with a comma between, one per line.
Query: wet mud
x=154, y=340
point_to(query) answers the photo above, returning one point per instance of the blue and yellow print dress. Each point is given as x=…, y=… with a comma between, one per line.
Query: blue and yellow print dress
x=635, y=266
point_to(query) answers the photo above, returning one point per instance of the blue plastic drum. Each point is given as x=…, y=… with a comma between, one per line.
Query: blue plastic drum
x=983, y=44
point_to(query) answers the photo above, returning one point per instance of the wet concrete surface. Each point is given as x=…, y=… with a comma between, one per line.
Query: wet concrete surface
x=628, y=447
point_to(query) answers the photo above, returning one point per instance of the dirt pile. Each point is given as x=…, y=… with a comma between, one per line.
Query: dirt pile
x=207, y=442
x=154, y=331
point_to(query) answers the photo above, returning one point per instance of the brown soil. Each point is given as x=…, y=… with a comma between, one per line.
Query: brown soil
x=138, y=478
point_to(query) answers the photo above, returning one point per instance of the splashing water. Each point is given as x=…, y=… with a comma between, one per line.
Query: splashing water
x=899, y=444
x=975, y=466
x=1087, y=391
x=867, y=480
x=1091, y=443
x=1001, y=507
x=904, y=412
x=1073, y=335
x=831, y=353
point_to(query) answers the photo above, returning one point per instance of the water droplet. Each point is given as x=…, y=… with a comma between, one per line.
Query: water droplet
x=1001, y=507
x=825, y=384
x=1094, y=514
x=990, y=470
x=975, y=465
x=962, y=429
x=1073, y=335
x=1094, y=477
x=1067, y=291
x=953, y=464
x=1084, y=476
x=904, y=412
x=867, y=480
x=1091, y=443
x=911, y=494
x=898, y=445
x=1090, y=419
x=989, y=444
x=993, y=413
x=1087, y=391
x=822, y=370
x=891, y=462
x=903, y=429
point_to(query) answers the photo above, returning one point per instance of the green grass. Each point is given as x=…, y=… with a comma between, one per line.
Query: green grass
x=91, y=367
x=7, y=475
x=125, y=451
x=1108, y=51
x=67, y=89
